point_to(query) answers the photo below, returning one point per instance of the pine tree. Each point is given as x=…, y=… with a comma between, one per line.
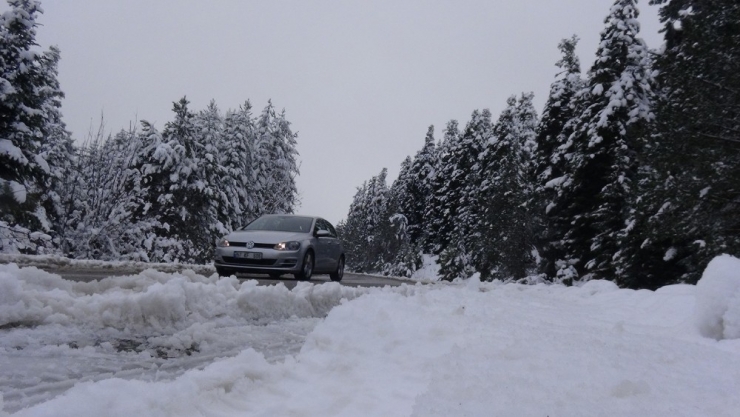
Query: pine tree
x=597, y=190
x=275, y=163
x=355, y=231
x=453, y=213
x=376, y=210
x=551, y=155
x=447, y=182
x=286, y=165
x=209, y=131
x=59, y=153
x=401, y=257
x=29, y=117
x=690, y=198
x=154, y=199
x=468, y=235
x=237, y=150
x=505, y=219
x=413, y=204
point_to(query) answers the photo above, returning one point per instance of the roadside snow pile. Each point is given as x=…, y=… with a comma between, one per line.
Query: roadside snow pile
x=475, y=349
x=56, y=262
x=718, y=299
x=155, y=300
x=429, y=270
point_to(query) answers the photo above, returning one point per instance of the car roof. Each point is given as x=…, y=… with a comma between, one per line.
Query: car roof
x=292, y=215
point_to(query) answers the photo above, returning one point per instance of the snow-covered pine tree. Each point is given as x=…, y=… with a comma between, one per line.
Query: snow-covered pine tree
x=401, y=256
x=355, y=232
x=286, y=164
x=29, y=110
x=156, y=165
x=468, y=236
x=456, y=183
x=367, y=228
x=551, y=155
x=691, y=197
x=443, y=205
x=376, y=211
x=413, y=204
x=59, y=153
x=597, y=192
x=209, y=131
x=192, y=209
x=275, y=163
x=506, y=188
x=182, y=206
x=237, y=150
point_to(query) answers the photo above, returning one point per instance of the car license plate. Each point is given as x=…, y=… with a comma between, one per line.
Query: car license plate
x=248, y=255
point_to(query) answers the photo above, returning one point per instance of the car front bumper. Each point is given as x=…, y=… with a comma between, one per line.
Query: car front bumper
x=271, y=261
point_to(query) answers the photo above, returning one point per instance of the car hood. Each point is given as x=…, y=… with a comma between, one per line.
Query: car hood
x=265, y=236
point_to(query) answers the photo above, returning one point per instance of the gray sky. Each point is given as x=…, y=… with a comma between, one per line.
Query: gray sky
x=360, y=80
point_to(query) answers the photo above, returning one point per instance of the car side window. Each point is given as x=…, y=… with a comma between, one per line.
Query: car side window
x=322, y=224
x=331, y=229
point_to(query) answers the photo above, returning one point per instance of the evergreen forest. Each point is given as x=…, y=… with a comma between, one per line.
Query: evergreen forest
x=630, y=173
x=142, y=194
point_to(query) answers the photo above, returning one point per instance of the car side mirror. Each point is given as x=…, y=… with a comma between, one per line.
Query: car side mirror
x=323, y=233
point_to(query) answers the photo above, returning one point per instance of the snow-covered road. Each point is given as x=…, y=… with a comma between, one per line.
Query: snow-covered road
x=150, y=326
x=156, y=344
x=42, y=362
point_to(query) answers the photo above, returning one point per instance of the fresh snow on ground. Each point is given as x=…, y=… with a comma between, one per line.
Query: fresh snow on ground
x=120, y=347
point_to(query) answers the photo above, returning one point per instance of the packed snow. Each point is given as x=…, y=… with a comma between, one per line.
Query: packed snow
x=185, y=344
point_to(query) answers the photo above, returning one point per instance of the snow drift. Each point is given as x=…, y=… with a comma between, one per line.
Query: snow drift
x=718, y=299
x=154, y=300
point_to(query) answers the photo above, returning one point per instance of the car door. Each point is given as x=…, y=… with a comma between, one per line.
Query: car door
x=323, y=247
x=336, y=246
x=332, y=246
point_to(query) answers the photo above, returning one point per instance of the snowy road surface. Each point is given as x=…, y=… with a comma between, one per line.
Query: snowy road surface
x=186, y=344
x=39, y=362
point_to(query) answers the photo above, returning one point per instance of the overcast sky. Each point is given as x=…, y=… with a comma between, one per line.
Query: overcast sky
x=360, y=80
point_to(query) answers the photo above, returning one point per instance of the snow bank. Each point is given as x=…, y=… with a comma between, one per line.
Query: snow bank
x=475, y=349
x=56, y=262
x=153, y=300
x=718, y=299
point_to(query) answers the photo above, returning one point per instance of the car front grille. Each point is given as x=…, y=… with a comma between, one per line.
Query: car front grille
x=256, y=245
x=255, y=262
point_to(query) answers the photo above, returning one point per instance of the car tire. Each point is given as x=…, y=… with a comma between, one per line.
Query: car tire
x=339, y=273
x=223, y=272
x=306, y=267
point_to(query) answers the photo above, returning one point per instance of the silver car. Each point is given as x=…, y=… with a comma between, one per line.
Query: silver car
x=279, y=244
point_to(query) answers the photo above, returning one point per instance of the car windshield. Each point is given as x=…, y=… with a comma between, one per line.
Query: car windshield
x=294, y=224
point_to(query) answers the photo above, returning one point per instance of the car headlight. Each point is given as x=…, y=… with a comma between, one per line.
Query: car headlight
x=287, y=246
x=222, y=243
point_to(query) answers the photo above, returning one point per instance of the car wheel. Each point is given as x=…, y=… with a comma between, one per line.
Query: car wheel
x=223, y=272
x=307, y=268
x=339, y=273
